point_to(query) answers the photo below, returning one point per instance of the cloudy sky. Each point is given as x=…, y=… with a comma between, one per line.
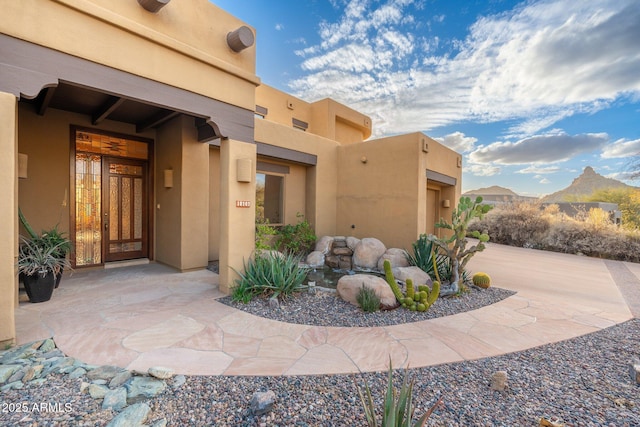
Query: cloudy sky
x=530, y=92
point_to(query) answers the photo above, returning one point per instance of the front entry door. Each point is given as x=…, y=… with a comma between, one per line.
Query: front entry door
x=125, y=217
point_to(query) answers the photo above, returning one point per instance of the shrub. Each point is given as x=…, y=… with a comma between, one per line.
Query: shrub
x=398, y=409
x=368, y=300
x=297, y=239
x=515, y=224
x=265, y=235
x=270, y=274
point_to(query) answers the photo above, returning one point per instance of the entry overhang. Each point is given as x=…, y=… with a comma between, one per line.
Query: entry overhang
x=26, y=69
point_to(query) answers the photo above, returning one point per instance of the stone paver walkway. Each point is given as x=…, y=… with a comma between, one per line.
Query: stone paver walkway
x=141, y=316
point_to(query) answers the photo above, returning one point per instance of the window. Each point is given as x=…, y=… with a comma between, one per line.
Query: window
x=269, y=200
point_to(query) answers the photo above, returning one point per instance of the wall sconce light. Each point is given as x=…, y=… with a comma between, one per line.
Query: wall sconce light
x=153, y=6
x=22, y=165
x=244, y=170
x=240, y=39
x=168, y=178
x=446, y=203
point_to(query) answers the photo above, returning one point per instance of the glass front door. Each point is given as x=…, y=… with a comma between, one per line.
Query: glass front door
x=111, y=218
x=124, y=192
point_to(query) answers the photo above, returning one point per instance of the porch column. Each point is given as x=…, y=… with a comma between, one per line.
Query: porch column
x=9, y=215
x=237, y=224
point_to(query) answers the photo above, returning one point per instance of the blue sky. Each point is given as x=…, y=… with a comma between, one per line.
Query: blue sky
x=529, y=92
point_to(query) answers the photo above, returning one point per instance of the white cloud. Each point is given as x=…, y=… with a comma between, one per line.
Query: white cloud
x=279, y=27
x=539, y=170
x=622, y=148
x=457, y=141
x=534, y=65
x=552, y=148
x=482, y=170
x=545, y=181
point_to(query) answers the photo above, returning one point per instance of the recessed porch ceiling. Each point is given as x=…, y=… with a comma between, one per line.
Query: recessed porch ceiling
x=100, y=106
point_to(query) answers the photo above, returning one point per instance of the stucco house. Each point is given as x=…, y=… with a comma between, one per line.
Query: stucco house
x=141, y=128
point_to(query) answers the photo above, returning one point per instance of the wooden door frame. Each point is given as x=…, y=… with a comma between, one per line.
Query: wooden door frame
x=72, y=187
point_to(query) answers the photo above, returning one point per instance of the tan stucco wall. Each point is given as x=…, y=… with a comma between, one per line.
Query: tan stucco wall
x=326, y=118
x=195, y=198
x=320, y=181
x=382, y=187
x=182, y=220
x=214, y=203
x=184, y=45
x=9, y=215
x=237, y=241
x=168, y=212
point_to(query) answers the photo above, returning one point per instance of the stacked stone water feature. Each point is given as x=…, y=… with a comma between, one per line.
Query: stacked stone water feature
x=364, y=256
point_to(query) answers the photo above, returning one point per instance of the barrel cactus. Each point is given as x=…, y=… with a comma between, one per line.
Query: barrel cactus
x=481, y=280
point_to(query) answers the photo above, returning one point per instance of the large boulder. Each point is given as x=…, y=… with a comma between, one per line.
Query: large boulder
x=396, y=257
x=367, y=253
x=352, y=242
x=349, y=286
x=315, y=259
x=416, y=274
x=324, y=244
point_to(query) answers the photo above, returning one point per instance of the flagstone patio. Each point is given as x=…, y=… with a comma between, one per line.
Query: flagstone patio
x=145, y=315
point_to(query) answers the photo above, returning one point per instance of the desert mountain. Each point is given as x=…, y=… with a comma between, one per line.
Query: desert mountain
x=583, y=186
x=494, y=190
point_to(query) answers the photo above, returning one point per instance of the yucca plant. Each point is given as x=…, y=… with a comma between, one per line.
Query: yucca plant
x=272, y=274
x=398, y=410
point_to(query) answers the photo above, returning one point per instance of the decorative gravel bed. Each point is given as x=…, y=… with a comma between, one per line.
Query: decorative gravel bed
x=584, y=381
x=325, y=308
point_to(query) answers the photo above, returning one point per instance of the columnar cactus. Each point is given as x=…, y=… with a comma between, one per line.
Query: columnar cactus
x=414, y=301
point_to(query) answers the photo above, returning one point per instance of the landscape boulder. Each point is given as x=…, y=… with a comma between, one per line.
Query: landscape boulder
x=323, y=244
x=396, y=257
x=416, y=274
x=315, y=259
x=367, y=253
x=349, y=286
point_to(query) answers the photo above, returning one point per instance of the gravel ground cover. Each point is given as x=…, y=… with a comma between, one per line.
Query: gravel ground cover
x=584, y=381
x=325, y=308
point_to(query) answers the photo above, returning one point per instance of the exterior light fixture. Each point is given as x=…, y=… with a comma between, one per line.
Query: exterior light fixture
x=22, y=165
x=168, y=178
x=153, y=6
x=240, y=39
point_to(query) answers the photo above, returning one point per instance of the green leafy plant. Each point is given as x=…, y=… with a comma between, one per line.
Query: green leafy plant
x=368, y=300
x=265, y=234
x=297, y=239
x=270, y=274
x=455, y=246
x=37, y=258
x=398, y=409
x=426, y=256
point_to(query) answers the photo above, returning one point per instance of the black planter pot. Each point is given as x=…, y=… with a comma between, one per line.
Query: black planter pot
x=59, y=277
x=40, y=288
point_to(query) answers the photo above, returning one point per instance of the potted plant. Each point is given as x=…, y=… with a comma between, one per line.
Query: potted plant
x=54, y=238
x=39, y=266
x=48, y=239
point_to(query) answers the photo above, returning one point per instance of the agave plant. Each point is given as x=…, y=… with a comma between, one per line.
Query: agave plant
x=398, y=410
x=270, y=273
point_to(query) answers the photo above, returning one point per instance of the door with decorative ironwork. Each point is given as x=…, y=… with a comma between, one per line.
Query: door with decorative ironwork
x=124, y=196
